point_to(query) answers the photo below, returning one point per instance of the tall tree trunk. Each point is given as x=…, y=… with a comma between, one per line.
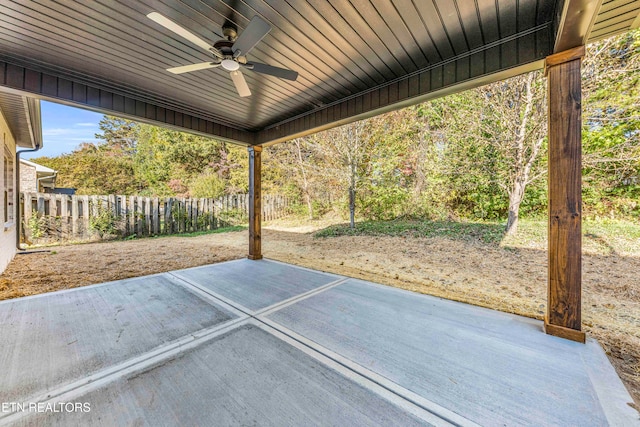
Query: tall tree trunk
x=515, y=199
x=305, y=182
x=353, y=158
x=352, y=197
x=421, y=158
x=524, y=162
x=352, y=207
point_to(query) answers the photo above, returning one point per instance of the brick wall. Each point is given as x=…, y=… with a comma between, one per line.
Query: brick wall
x=28, y=179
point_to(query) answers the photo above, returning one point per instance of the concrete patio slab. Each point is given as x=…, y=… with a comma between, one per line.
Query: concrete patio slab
x=489, y=367
x=265, y=343
x=56, y=338
x=255, y=285
x=244, y=377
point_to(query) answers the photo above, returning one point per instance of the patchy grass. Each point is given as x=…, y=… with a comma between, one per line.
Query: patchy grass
x=229, y=229
x=599, y=237
x=485, y=232
x=603, y=237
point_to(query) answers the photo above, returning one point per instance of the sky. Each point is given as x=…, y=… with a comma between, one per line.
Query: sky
x=64, y=128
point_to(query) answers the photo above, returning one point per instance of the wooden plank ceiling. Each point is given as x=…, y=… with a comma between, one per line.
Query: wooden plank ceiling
x=354, y=58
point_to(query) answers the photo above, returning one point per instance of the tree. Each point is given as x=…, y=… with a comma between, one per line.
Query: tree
x=171, y=162
x=296, y=162
x=90, y=171
x=120, y=135
x=515, y=125
x=611, y=125
x=346, y=151
x=389, y=171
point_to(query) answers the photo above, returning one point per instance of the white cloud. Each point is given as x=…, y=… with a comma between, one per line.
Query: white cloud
x=85, y=124
x=56, y=131
x=82, y=139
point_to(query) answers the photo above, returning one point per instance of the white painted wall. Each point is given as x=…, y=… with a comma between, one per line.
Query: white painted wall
x=7, y=231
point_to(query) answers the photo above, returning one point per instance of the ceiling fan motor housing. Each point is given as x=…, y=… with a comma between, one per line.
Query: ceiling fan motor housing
x=230, y=64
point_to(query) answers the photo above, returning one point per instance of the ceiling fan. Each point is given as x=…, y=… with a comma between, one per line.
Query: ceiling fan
x=229, y=53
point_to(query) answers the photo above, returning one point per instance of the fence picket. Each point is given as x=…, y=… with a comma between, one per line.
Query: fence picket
x=69, y=217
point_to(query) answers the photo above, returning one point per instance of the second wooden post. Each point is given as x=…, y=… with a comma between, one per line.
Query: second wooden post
x=565, y=200
x=255, y=202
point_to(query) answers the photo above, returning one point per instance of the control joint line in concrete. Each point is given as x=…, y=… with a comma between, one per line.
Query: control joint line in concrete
x=372, y=386
x=285, y=303
x=72, y=391
x=360, y=371
x=211, y=296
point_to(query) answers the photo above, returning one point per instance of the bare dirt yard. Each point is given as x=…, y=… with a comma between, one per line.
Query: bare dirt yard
x=511, y=279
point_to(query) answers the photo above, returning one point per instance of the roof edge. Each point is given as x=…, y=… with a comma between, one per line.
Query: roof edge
x=34, y=120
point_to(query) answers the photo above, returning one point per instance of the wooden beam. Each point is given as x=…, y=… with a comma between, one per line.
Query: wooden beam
x=21, y=80
x=565, y=56
x=573, y=22
x=565, y=201
x=255, y=202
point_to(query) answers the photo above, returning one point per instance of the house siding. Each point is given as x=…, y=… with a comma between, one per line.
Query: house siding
x=7, y=230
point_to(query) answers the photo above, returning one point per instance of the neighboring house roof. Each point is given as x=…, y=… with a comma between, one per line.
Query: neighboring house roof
x=39, y=168
x=22, y=114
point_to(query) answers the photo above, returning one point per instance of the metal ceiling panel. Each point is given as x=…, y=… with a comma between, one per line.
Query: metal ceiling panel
x=22, y=115
x=343, y=50
x=615, y=17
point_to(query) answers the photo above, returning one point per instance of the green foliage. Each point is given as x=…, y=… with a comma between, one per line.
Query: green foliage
x=232, y=217
x=134, y=158
x=180, y=215
x=226, y=229
x=92, y=171
x=384, y=202
x=119, y=135
x=210, y=186
x=611, y=127
x=104, y=221
x=37, y=225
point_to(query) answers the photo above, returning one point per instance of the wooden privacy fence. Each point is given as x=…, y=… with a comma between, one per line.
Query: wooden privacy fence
x=59, y=217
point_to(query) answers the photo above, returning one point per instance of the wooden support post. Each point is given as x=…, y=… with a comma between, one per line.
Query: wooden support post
x=564, y=300
x=255, y=202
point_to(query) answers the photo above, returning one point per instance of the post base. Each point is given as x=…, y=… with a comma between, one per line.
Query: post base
x=562, y=332
x=254, y=257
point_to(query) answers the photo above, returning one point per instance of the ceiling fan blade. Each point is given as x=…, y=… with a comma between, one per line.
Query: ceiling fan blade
x=255, y=31
x=192, y=67
x=283, y=73
x=182, y=32
x=241, y=83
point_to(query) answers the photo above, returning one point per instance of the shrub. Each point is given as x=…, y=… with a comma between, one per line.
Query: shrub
x=37, y=225
x=103, y=221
